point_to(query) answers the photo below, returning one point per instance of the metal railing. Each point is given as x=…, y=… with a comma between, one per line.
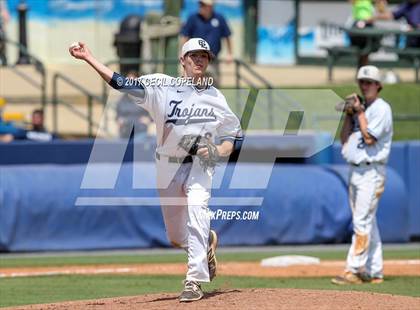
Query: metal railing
x=239, y=76
x=239, y=64
x=39, y=67
x=90, y=97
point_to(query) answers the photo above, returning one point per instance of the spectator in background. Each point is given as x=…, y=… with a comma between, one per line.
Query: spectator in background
x=4, y=19
x=212, y=27
x=37, y=121
x=37, y=130
x=363, y=12
x=131, y=116
x=8, y=130
x=410, y=11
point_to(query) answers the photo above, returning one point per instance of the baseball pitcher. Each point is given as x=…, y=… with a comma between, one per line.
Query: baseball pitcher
x=366, y=137
x=189, y=115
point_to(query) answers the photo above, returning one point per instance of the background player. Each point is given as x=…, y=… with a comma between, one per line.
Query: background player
x=366, y=137
x=184, y=186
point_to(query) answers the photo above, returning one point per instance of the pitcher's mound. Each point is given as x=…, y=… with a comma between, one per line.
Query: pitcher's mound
x=250, y=299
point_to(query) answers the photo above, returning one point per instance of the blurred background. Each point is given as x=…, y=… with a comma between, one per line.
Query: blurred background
x=52, y=107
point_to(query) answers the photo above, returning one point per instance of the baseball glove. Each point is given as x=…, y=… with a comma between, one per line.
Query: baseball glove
x=192, y=143
x=348, y=105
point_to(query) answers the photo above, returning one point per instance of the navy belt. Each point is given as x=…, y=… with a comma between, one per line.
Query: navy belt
x=361, y=164
x=178, y=160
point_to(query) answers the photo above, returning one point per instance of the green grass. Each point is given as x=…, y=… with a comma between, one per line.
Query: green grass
x=181, y=258
x=46, y=289
x=404, y=98
x=22, y=291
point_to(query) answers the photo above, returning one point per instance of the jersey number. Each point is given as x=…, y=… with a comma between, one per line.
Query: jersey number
x=361, y=144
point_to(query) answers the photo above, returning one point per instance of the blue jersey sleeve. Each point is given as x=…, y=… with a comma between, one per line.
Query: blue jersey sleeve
x=131, y=86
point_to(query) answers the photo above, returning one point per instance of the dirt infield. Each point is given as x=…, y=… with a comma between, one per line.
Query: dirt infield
x=249, y=299
x=326, y=268
x=234, y=298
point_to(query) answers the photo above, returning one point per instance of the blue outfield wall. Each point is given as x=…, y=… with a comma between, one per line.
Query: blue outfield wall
x=405, y=160
x=302, y=204
x=413, y=186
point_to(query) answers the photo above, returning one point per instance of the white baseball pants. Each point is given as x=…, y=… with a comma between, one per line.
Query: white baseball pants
x=184, y=193
x=365, y=188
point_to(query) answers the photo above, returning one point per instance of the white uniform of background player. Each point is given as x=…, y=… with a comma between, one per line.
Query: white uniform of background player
x=366, y=147
x=183, y=184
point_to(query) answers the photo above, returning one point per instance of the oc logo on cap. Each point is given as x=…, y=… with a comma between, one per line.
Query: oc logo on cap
x=203, y=44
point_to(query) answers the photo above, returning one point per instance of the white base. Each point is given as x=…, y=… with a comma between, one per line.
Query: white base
x=289, y=260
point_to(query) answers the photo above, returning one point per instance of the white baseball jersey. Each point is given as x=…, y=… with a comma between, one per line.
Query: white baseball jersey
x=181, y=110
x=379, y=118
